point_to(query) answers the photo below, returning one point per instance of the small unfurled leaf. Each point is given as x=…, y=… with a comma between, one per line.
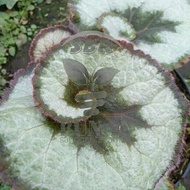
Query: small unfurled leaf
x=99, y=95
x=92, y=95
x=91, y=112
x=105, y=75
x=89, y=104
x=83, y=97
x=76, y=71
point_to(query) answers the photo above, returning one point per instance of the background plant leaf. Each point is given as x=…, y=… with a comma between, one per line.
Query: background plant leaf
x=10, y=3
x=76, y=71
x=105, y=75
x=12, y=51
x=181, y=187
x=4, y=187
x=3, y=2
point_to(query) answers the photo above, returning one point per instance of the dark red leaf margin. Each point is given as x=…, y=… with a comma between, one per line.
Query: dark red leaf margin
x=42, y=33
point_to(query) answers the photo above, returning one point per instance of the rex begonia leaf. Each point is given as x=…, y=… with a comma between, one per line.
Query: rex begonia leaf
x=159, y=28
x=48, y=38
x=148, y=25
x=42, y=154
x=116, y=26
x=165, y=184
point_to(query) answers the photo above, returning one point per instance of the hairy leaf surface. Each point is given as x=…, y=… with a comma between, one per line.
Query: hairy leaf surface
x=159, y=28
x=42, y=154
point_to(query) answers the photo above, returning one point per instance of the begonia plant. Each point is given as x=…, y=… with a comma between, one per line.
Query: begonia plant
x=90, y=112
x=159, y=28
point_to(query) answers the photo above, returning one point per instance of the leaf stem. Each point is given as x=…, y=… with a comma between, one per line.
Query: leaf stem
x=91, y=87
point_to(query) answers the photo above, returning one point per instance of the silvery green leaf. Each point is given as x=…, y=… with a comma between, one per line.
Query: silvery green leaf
x=76, y=71
x=159, y=28
x=105, y=75
x=32, y=145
